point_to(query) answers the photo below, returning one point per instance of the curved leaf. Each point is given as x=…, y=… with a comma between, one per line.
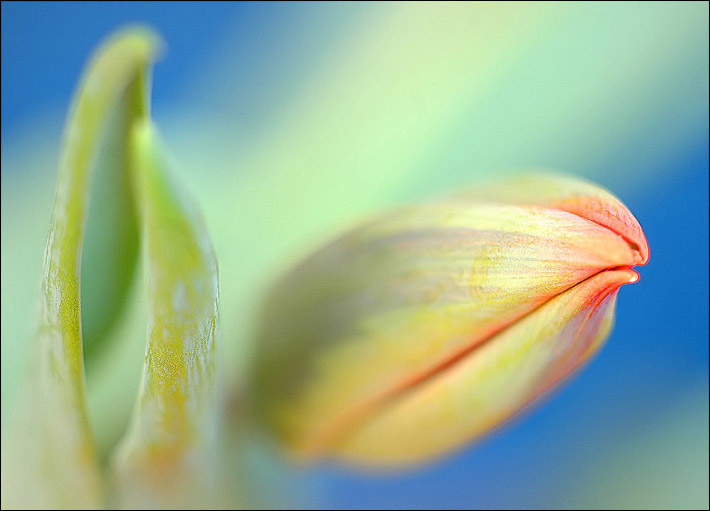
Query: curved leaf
x=52, y=455
x=168, y=456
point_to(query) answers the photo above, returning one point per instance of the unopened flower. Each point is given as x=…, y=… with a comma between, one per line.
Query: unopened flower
x=421, y=330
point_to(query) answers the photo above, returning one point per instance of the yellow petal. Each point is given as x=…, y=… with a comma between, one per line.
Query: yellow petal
x=473, y=394
x=372, y=316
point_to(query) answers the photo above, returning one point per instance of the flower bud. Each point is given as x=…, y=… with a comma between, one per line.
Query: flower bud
x=423, y=329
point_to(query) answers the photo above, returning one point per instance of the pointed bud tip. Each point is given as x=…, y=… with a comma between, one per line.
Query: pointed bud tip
x=570, y=194
x=609, y=212
x=633, y=276
x=590, y=293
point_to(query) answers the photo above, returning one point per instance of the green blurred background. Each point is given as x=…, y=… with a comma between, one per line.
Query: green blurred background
x=291, y=121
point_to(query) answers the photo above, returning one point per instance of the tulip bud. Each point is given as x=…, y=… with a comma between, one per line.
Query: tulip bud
x=420, y=331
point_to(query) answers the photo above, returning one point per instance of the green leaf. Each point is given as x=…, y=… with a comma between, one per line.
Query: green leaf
x=50, y=460
x=168, y=455
x=110, y=248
